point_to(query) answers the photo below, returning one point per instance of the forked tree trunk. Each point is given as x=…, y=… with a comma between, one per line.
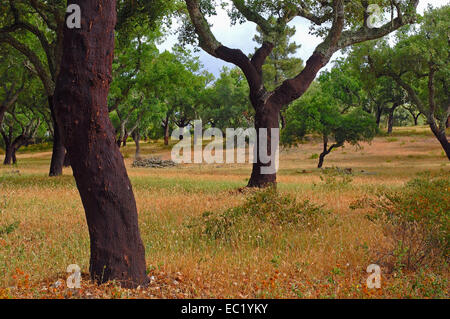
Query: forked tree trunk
x=58, y=153
x=268, y=106
x=117, y=251
x=416, y=119
x=324, y=153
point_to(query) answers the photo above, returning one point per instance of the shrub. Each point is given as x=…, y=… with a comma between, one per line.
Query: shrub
x=266, y=213
x=416, y=218
x=335, y=178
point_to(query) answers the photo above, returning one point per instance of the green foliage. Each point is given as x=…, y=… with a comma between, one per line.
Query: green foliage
x=281, y=64
x=318, y=112
x=225, y=104
x=7, y=229
x=255, y=220
x=335, y=178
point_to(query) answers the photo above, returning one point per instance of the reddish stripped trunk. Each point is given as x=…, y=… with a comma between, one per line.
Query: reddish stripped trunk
x=117, y=251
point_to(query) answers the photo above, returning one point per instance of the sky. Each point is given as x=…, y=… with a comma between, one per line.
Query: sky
x=241, y=36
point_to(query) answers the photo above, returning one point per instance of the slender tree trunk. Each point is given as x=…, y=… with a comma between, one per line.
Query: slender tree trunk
x=266, y=117
x=137, y=140
x=124, y=142
x=121, y=134
x=390, y=122
x=117, y=251
x=378, y=117
x=166, y=132
x=324, y=152
x=58, y=154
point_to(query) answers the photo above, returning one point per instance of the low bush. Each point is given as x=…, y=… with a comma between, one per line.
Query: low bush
x=264, y=214
x=416, y=218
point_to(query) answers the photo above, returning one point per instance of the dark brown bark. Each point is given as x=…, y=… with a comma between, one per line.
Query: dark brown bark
x=66, y=160
x=166, y=127
x=266, y=117
x=268, y=108
x=391, y=117
x=117, y=251
x=378, y=116
x=12, y=145
x=416, y=118
x=58, y=153
x=326, y=150
x=8, y=155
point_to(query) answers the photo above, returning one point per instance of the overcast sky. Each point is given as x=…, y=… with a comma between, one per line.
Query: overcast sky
x=240, y=36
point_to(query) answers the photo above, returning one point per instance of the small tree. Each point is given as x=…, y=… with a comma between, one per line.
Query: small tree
x=318, y=112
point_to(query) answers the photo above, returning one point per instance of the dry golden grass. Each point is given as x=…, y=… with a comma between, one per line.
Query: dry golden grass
x=329, y=261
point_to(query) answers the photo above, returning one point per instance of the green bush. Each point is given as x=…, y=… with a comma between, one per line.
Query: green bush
x=258, y=219
x=416, y=217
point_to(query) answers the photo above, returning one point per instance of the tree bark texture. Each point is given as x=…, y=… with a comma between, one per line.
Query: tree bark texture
x=117, y=251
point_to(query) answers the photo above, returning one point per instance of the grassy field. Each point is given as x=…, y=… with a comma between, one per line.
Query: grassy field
x=43, y=229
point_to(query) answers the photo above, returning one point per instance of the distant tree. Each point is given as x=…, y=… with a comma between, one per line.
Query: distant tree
x=225, y=103
x=132, y=64
x=18, y=129
x=318, y=112
x=177, y=82
x=419, y=64
x=35, y=28
x=414, y=111
x=340, y=23
x=13, y=78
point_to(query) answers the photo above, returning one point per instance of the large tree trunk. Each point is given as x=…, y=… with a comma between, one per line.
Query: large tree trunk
x=117, y=251
x=58, y=154
x=266, y=117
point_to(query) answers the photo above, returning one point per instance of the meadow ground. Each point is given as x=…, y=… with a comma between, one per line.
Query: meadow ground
x=43, y=229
